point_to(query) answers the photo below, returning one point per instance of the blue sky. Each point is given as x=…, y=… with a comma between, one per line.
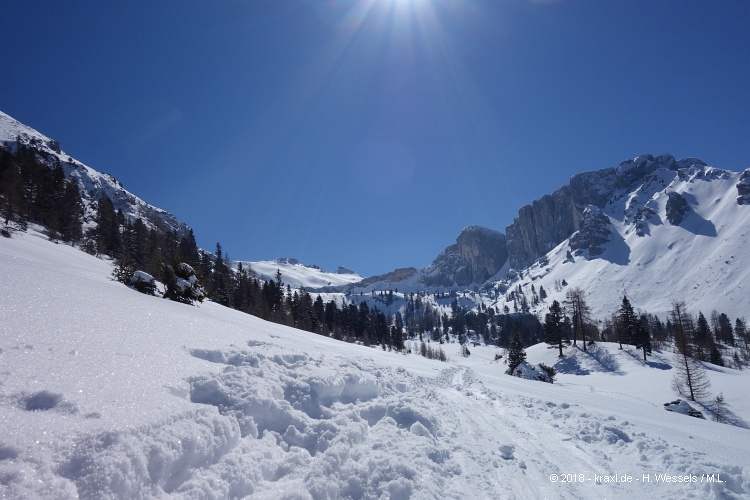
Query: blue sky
x=368, y=133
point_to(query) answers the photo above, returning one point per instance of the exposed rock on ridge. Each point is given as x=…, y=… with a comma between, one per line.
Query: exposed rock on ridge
x=478, y=254
x=395, y=275
x=553, y=218
x=743, y=188
x=677, y=207
x=594, y=232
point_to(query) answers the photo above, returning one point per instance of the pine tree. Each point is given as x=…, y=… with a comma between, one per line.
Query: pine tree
x=553, y=327
x=725, y=332
x=720, y=408
x=220, y=279
x=740, y=330
x=690, y=378
x=123, y=270
x=715, y=356
x=702, y=337
x=627, y=323
x=188, y=250
x=107, y=231
x=643, y=336
x=71, y=213
x=516, y=352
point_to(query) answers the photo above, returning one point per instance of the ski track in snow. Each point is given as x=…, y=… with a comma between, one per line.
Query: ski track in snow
x=358, y=433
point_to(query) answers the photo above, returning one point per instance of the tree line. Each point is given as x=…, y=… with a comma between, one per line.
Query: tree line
x=33, y=192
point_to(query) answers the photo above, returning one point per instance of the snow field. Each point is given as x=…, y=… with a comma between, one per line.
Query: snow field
x=107, y=393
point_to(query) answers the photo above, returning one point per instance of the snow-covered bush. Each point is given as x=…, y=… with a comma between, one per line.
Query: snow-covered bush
x=143, y=282
x=181, y=284
x=530, y=372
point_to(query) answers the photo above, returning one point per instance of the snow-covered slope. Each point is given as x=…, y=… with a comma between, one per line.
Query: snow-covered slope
x=299, y=275
x=702, y=259
x=107, y=393
x=92, y=184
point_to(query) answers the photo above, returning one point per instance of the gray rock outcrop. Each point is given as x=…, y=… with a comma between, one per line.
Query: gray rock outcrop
x=551, y=219
x=478, y=254
x=677, y=207
x=594, y=232
x=743, y=188
x=395, y=275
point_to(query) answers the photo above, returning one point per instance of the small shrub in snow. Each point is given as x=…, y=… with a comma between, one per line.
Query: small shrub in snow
x=123, y=271
x=549, y=370
x=529, y=372
x=720, y=405
x=430, y=352
x=181, y=284
x=143, y=282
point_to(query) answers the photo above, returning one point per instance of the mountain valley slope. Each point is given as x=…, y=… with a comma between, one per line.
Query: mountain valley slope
x=108, y=393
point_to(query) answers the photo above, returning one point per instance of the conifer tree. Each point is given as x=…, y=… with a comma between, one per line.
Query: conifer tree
x=221, y=285
x=643, y=336
x=702, y=337
x=715, y=356
x=107, y=231
x=70, y=213
x=627, y=323
x=724, y=331
x=516, y=352
x=720, y=408
x=740, y=330
x=553, y=327
x=690, y=378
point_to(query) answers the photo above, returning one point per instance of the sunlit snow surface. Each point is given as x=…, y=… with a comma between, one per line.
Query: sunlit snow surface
x=107, y=393
x=298, y=275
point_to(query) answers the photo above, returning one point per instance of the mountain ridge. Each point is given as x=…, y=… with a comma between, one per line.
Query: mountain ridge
x=599, y=216
x=92, y=184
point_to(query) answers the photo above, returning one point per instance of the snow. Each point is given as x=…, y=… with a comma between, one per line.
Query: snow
x=299, y=275
x=108, y=393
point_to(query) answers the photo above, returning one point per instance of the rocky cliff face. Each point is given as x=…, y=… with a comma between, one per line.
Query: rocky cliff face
x=677, y=207
x=594, y=232
x=478, y=254
x=553, y=218
x=394, y=276
x=540, y=226
x=743, y=188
